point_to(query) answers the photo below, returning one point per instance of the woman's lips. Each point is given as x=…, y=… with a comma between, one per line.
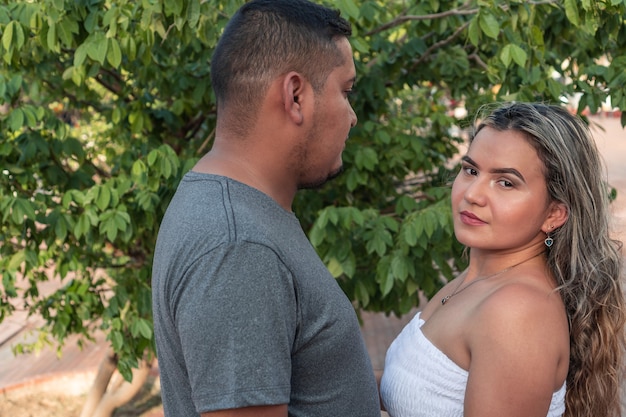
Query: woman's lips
x=471, y=219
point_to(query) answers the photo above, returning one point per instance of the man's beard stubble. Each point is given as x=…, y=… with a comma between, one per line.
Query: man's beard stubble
x=319, y=183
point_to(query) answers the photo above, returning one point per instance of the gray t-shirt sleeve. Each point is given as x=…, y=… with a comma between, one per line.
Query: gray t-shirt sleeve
x=236, y=315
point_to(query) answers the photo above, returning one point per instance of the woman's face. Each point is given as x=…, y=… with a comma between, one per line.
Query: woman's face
x=499, y=198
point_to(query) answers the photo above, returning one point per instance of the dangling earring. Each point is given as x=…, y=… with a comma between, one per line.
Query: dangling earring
x=549, y=241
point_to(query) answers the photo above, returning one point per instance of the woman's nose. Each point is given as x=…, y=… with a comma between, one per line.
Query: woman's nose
x=475, y=192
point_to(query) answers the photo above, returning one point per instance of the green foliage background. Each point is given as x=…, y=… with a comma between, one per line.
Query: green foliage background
x=105, y=104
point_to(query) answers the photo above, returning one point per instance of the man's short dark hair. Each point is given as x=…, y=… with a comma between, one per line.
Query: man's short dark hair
x=267, y=38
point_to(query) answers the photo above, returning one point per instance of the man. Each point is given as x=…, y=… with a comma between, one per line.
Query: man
x=248, y=320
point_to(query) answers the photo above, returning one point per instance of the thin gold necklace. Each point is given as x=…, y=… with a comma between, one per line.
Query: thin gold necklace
x=458, y=289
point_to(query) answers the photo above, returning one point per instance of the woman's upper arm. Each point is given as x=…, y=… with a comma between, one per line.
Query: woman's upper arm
x=516, y=347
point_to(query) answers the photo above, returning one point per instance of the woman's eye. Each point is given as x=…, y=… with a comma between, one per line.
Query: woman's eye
x=506, y=183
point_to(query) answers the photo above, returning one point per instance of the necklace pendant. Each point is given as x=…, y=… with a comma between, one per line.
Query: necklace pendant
x=445, y=299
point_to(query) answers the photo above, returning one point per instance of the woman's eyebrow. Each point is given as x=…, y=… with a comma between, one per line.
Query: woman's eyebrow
x=511, y=171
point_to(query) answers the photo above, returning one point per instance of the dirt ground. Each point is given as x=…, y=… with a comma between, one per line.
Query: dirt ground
x=39, y=404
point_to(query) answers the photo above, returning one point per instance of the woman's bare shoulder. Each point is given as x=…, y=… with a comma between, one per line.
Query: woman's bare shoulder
x=523, y=301
x=519, y=348
x=519, y=317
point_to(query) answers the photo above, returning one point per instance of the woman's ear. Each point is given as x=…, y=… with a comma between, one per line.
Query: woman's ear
x=293, y=92
x=557, y=216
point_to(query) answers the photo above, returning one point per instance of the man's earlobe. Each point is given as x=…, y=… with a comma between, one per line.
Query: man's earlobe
x=293, y=86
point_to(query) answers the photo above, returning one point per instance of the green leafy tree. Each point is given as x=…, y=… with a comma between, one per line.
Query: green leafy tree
x=105, y=104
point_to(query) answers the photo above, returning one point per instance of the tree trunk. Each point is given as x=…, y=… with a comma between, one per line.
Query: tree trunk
x=108, y=392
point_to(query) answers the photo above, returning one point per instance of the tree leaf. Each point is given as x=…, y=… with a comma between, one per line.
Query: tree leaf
x=571, y=11
x=7, y=35
x=82, y=226
x=15, y=33
x=193, y=12
x=114, y=54
x=387, y=285
x=60, y=229
x=334, y=267
x=474, y=32
x=349, y=7
x=399, y=267
x=505, y=56
x=489, y=24
x=519, y=55
x=25, y=208
x=362, y=294
x=145, y=329
x=103, y=197
x=16, y=119
x=16, y=260
x=52, y=41
x=66, y=29
x=97, y=47
x=80, y=54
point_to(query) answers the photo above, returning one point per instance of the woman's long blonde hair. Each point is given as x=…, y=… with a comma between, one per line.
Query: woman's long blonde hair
x=585, y=260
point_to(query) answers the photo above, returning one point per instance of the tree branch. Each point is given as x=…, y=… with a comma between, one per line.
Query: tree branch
x=461, y=11
x=407, y=18
x=120, y=80
x=479, y=61
x=439, y=44
x=206, y=142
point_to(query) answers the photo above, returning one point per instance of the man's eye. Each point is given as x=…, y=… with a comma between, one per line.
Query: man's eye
x=470, y=171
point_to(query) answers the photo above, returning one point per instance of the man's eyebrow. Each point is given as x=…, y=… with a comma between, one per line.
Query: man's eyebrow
x=511, y=171
x=469, y=160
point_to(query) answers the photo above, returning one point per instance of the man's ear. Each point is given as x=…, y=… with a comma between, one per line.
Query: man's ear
x=293, y=96
x=557, y=216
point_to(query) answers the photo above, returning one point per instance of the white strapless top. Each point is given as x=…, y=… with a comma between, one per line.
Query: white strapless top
x=421, y=381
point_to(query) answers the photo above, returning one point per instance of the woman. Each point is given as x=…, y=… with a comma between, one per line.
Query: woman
x=535, y=325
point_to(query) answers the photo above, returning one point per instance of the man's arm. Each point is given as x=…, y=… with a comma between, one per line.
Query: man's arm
x=257, y=411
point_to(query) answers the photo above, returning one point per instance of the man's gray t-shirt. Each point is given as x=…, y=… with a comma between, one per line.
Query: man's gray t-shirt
x=246, y=314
